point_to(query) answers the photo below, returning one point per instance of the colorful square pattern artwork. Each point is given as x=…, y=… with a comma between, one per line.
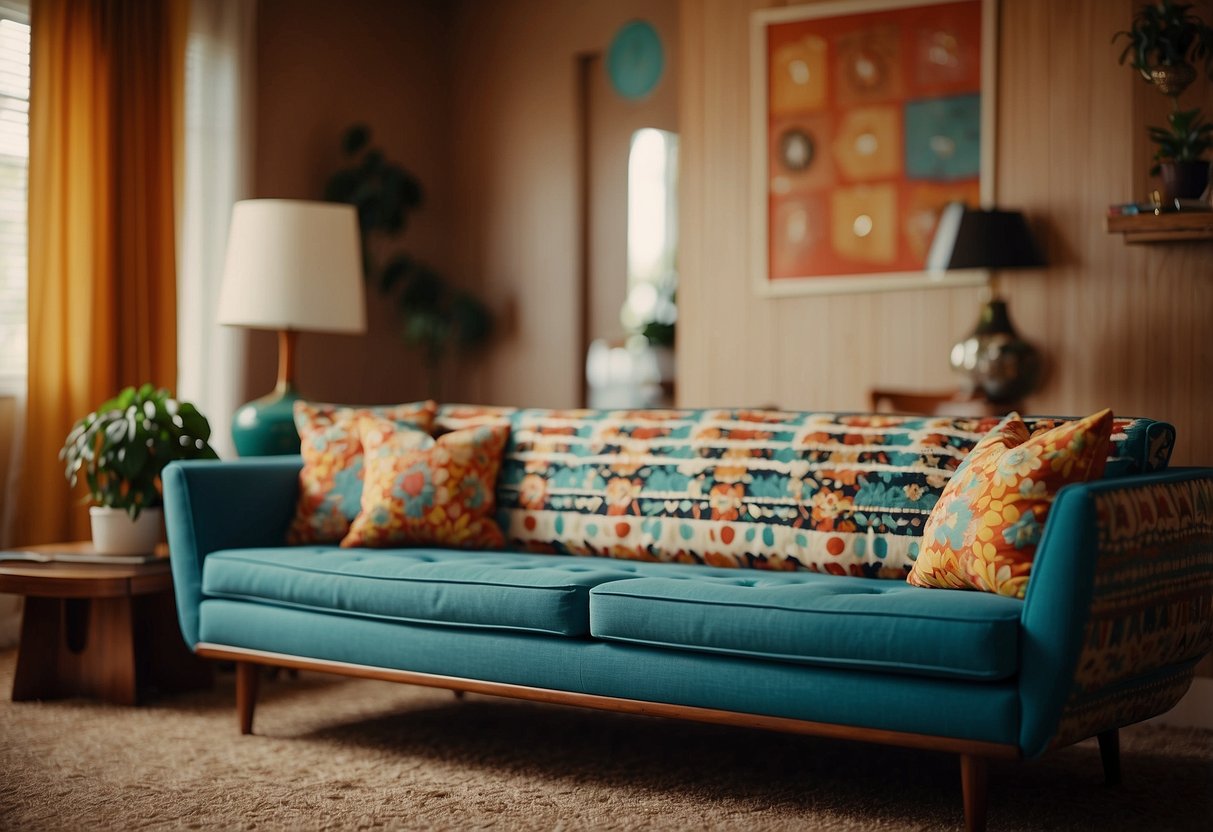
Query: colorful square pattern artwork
x=873, y=123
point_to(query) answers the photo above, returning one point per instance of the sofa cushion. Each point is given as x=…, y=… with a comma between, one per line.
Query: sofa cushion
x=842, y=493
x=418, y=490
x=983, y=532
x=441, y=586
x=852, y=623
x=330, y=484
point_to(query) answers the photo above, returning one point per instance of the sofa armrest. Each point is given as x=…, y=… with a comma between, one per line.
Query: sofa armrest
x=211, y=505
x=1119, y=607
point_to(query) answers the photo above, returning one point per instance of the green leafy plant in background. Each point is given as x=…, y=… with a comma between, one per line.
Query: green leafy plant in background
x=125, y=443
x=1166, y=34
x=1187, y=140
x=436, y=316
x=1166, y=42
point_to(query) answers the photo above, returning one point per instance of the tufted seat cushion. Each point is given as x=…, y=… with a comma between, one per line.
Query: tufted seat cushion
x=854, y=623
x=800, y=617
x=493, y=590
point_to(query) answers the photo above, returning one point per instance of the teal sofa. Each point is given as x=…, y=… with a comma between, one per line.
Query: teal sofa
x=783, y=610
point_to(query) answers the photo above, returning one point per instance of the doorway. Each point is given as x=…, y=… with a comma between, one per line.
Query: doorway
x=629, y=220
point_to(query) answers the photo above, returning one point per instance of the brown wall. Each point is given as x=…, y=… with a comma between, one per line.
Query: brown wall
x=479, y=99
x=1123, y=326
x=320, y=68
x=515, y=178
x=613, y=120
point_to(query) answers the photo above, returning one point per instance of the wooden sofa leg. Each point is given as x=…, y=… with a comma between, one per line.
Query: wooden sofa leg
x=974, y=786
x=1109, y=753
x=246, y=694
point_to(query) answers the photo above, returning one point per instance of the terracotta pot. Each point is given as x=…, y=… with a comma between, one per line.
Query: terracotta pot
x=114, y=533
x=1184, y=180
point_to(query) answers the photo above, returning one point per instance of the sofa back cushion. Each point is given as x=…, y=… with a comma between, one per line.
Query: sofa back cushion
x=830, y=492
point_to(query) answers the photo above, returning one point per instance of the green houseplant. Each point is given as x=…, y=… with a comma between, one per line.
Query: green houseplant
x=1166, y=42
x=436, y=316
x=1179, y=153
x=121, y=448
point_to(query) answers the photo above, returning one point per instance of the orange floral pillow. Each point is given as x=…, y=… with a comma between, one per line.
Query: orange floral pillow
x=420, y=490
x=330, y=484
x=982, y=534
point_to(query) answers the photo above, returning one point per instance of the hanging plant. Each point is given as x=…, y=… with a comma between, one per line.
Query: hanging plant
x=1165, y=43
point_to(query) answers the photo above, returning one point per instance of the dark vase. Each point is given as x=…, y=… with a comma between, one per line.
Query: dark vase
x=995, y=360
x=1184, y=180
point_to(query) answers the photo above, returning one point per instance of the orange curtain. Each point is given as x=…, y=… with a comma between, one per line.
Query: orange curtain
x=105, y=113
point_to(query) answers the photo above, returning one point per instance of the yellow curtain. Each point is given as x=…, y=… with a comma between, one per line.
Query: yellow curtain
x=105, y=112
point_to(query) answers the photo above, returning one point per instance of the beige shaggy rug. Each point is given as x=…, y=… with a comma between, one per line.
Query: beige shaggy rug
x=334, y=753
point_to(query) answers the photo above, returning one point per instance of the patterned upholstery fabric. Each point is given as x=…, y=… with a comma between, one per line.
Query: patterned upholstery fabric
x=982, y=534
x=838, y=493
x=330, y=484
x=420, y=490
x=1151, y=615
x=459, y=416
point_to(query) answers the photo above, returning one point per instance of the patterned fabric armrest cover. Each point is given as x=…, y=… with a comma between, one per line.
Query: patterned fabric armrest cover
x=1120, y=606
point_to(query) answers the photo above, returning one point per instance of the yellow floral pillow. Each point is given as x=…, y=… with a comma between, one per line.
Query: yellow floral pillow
x=982, y=534
x=330, y=484
x=419, y=490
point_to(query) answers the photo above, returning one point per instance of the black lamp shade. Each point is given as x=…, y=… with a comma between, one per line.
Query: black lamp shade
x=972, y=238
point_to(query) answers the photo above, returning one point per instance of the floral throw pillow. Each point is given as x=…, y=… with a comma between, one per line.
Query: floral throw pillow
x=983, y=532
x=330, y=484
x=419, y=490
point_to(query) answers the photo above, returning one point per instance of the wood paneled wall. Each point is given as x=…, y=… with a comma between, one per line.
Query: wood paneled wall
x=515, y=180
x=321, y=67
x=1122, y=326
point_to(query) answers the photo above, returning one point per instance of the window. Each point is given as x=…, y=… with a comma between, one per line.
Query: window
x=640, y=373
x=652, y=235
x=14, y=170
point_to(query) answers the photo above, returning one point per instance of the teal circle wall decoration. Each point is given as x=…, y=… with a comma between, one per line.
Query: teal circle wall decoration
x=635, y=59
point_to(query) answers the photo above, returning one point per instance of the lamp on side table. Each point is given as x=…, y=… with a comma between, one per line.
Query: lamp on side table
x=993, y=359
x=292, y=266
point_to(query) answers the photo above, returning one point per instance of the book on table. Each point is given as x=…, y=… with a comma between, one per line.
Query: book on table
x=79, y=557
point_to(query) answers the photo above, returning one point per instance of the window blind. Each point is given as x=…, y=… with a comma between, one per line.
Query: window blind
x=14, y=170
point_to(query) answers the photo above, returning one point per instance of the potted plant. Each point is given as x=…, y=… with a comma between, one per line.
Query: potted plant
x=122, y=447
x=1165, y=40
x=436, y=316
x=1179, y=156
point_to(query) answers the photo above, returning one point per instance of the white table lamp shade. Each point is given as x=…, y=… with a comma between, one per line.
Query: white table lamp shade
x=293, y=265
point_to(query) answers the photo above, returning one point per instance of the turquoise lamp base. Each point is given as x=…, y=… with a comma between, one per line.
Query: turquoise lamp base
x=266, y=426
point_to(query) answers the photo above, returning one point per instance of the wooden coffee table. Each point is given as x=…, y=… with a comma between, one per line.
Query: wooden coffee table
x=99, y=630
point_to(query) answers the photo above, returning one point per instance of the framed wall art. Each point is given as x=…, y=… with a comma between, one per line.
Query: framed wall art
x=868, y=117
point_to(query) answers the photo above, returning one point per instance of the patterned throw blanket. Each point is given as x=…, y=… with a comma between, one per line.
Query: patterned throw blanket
x=829, y=492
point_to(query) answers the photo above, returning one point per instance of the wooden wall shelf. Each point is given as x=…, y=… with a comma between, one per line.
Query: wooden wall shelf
x=1162, y=228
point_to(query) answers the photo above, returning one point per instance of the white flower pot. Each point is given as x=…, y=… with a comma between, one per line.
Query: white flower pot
x=114, y=533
